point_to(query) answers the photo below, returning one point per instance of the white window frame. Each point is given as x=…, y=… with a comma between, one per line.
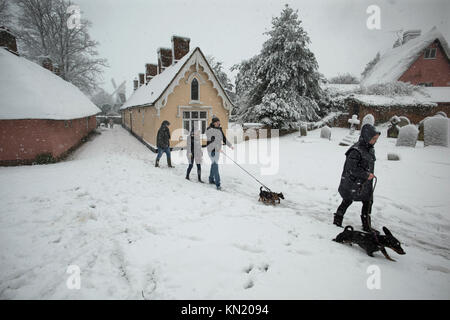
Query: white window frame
x=182, y=111
x=430, y=50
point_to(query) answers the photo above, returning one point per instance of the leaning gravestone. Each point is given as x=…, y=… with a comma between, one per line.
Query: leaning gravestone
x=393, y=129
x=368, y=118
x=404, y=121
x=325, y=133
x=351, y=137
x=436, y=131
x=407, y=136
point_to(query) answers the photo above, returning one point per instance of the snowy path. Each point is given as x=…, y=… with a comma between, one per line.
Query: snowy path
x=138, y=232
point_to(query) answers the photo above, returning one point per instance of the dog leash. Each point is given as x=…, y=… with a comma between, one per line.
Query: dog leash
x=246, y=171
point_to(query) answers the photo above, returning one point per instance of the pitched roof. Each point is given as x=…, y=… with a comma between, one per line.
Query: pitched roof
x=148, y=95
x=29, y=91
x=397, y=60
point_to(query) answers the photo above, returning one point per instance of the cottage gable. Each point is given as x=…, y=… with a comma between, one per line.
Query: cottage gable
x=395, y=64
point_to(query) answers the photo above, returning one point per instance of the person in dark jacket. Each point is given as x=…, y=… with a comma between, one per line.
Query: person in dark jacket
x=215, y=137
x=163, y=143
x=194, y=152
x=357, y=177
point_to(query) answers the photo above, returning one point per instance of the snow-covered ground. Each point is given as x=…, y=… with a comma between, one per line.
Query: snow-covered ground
x=137, y=232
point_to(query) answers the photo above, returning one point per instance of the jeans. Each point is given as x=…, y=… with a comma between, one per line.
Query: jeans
x=160, y=152
x=214, y=176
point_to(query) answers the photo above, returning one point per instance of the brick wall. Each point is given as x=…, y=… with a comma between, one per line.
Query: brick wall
x=22, y=140
x=435, y=70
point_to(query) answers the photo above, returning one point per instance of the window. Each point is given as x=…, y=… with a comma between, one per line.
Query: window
x=194, y=90
x=426, y=84
x=430, y=53
x=190, y=117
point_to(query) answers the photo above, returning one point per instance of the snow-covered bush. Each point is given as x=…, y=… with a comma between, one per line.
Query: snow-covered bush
x=325, y=133
x=407, y=136
x=436, y=131
x=391, y=89
x=368, y=118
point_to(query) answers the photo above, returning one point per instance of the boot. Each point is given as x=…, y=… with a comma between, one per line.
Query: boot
x=157, y=164
x=199, y=174
x=367, y=224
x=187, y=177
x=338, y=218
x=169, y=163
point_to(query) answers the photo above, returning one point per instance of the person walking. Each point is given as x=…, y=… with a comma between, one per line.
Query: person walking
x=163, y=143
x=357, y=177
x=215, y=137
x=194, y=152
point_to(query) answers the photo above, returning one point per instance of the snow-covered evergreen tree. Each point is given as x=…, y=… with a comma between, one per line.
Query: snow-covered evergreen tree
x=280, y=86
x=370, y=65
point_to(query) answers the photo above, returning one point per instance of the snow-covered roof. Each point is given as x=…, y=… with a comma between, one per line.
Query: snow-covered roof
x=397, y=60
x=340, y=88
x=29, y=91
x=148, y=94
x=438, y=94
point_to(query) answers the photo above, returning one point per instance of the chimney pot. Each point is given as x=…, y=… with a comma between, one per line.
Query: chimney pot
x=151, y=70
x=180, y=47
x=141, y=79
x=136, y=84
x=164, y=58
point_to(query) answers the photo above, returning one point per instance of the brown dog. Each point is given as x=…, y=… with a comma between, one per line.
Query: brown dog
x=270, y=197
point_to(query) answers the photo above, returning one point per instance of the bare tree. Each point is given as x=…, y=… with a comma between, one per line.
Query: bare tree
x=5, y=14
x=43, y=31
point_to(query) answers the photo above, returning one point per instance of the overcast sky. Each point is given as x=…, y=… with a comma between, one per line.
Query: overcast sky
x=130, y=31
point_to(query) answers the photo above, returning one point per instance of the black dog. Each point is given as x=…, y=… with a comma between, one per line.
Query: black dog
x=371, y=242
x=269, y=197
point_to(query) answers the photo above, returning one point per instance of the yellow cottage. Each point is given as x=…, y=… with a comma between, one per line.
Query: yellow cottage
x=182, y=89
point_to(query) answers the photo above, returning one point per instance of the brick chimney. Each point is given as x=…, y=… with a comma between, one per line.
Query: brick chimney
x=56, y=69
x=164, y=59
x=8, y=40
x=410, y=34
x=46, y=63
x=141, y=79
x=136, y=84
x=151, y=70
x=180, y=47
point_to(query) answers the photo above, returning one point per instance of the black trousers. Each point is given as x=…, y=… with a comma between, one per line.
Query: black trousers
x=366, y=208
x=191, y=165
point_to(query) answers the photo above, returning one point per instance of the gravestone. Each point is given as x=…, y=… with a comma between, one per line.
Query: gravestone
x=393, y=128
x=325, y=133
x=368, y=118
x=351, y=137
x=393, y=157
x=407, y=136
x=303, y=130
x=436, y=131
x=404, y=121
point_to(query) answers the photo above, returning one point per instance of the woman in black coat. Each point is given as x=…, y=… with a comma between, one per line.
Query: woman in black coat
x=357, y=176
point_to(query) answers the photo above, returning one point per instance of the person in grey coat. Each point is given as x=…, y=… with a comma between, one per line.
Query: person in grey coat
x=163, y=143
x=194, y=152
x=215, y=137
x=357, y=177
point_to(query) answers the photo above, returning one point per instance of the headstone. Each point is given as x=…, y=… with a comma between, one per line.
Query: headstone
x=404, y=121
x=393, y=157
x=436, y=131
x=325, y=133
x=368, y=118
x=407, y=136
x=421, y=131
x=441, y=114
x=393, y=128
x=303, y=130
x=351, y=137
